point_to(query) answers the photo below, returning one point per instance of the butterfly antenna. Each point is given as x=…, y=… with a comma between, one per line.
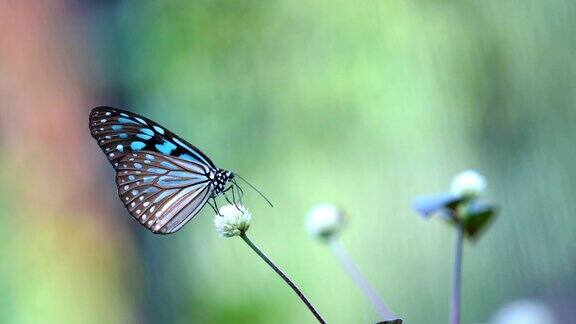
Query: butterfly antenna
x=258, y=191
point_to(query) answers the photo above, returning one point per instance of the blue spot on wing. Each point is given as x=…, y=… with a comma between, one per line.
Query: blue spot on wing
x=117, y=127
x=157, y=170
x=151, y=189
x=168, y=165
x=166, y=148
x=185, y=174
x=189, y=158
x=137, y=146
x=175, y=181
x=149, y=178
x=147, y=131
x=144, y=136
x=164, y=194
x=127, y=121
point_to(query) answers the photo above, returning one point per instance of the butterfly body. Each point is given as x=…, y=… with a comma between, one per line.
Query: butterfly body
x=162, y=180
x=219, y=181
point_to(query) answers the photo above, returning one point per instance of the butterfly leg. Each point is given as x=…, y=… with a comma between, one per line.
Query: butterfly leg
x=240, y=193
x=234, y=200
x=215, y=207
x=228, y=199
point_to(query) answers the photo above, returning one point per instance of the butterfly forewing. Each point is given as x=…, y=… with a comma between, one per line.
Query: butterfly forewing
x=162, y=192
x=119, y=132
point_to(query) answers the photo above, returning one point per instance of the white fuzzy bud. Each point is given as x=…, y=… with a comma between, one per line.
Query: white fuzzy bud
x=232, y=221
x=468, y=184
x=525, y=312
x=324, y=221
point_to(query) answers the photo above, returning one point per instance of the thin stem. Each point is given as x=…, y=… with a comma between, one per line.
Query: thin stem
x=284, y=277
x=360, y=280
x=457, y=277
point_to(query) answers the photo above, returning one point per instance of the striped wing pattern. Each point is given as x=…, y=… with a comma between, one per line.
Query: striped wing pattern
x=162, y=192
x=119, y=132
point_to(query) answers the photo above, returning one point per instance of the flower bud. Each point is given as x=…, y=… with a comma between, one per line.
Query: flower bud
x=324, y=221
x=234, y=220
x=468, y=184
x=525, y=312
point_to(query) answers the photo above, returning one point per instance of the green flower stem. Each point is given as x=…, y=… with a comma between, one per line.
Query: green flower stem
x=360, y=280
x=284, y=277
x=457, y=276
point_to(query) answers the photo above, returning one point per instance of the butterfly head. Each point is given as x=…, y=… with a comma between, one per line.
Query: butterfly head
x=219, y=179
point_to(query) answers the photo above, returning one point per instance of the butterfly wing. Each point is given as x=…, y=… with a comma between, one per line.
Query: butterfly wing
x=162, y=192
x=119, y=132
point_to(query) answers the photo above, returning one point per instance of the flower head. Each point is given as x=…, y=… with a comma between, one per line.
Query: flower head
x=468, y=184
x=324, y=221
x=525, y=312
x=234, y=220
x=461, y=205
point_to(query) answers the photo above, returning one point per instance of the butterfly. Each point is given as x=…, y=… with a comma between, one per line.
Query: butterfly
x=162, y=180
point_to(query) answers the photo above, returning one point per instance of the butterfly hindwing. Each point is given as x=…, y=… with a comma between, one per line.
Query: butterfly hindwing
x=162, y=192
x=119, y=132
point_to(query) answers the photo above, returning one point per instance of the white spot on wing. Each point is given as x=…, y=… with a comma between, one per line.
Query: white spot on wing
x=159, y=130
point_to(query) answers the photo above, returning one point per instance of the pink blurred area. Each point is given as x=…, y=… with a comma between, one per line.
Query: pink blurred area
x=66, y=255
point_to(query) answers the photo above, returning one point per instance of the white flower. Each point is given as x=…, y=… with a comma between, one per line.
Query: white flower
x=468, y=184
x=525, y=312
x=232, y=221
x=324, y=221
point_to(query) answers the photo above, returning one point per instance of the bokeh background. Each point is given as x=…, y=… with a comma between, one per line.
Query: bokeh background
x=365, y=104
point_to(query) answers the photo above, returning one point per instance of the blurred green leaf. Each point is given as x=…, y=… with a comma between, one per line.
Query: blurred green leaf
x=476, y=219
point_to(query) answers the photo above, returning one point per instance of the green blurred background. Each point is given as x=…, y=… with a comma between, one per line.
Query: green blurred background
x=366, y=104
